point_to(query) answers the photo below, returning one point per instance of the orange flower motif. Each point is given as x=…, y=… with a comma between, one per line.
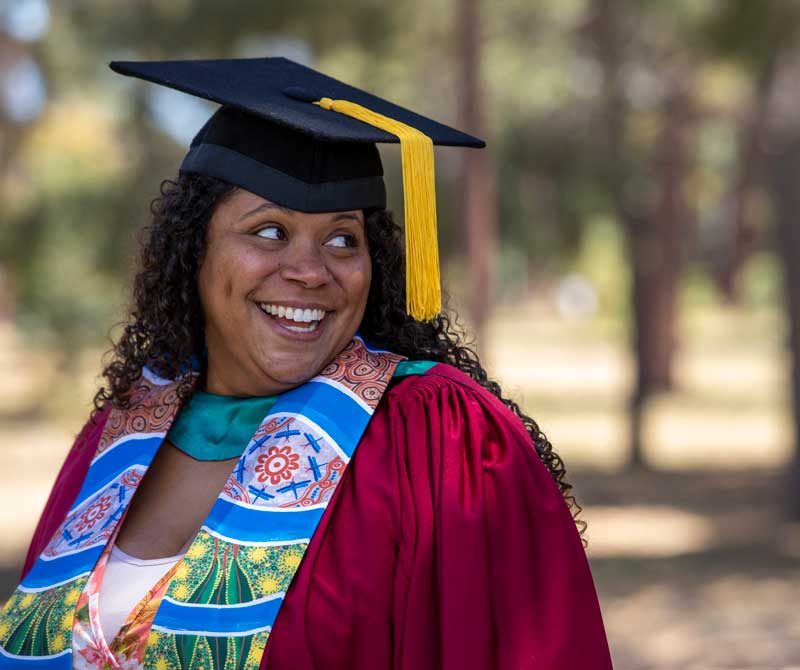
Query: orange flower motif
x=93, y=514
x=277, y=464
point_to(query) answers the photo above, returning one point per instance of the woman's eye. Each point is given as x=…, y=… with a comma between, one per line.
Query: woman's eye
x=342, y=241
x=272, y=233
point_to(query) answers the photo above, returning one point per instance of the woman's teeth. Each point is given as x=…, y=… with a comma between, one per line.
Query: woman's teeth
x=310, y=316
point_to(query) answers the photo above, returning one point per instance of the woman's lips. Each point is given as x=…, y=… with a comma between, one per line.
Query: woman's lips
x=305, y=330
x=298, y=313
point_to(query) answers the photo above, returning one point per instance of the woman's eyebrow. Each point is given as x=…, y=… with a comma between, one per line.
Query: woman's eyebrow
x=346, y=215
x=269, y=206
x=266, y=206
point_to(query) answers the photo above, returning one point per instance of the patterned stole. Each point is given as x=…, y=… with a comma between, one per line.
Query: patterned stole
x=222, y=600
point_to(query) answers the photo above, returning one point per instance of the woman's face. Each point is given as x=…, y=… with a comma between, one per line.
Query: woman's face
x=282, y=291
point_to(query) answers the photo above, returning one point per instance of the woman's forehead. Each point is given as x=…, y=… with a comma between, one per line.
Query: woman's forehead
x=243, y=205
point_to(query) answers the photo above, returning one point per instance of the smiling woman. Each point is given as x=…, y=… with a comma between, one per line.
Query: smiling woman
x=261, y=260
x=295, y=462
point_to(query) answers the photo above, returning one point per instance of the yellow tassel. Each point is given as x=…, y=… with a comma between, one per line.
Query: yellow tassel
x=423, y=290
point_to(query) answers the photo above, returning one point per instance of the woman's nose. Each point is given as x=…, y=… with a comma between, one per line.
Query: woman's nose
x=304, y=263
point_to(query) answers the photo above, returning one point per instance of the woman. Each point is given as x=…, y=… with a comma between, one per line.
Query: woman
x=271, y=334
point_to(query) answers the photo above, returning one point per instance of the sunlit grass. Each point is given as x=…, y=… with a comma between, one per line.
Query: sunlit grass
x=728, y=407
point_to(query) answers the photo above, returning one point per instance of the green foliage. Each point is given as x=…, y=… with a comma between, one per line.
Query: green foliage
x=762, y=280
x=602, y=260
x=751, y=32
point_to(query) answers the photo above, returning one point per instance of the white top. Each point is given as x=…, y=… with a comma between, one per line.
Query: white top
x=125, y=582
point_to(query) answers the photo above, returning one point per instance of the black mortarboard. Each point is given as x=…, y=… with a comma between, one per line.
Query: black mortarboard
x=278, y=135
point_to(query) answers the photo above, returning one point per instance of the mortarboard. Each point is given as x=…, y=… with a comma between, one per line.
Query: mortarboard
x=307, y=141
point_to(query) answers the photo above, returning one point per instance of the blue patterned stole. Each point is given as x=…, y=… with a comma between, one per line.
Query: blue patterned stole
x=225, y=594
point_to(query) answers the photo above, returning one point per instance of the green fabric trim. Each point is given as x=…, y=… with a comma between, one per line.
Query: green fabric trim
x=214, y=427
x=406, y=368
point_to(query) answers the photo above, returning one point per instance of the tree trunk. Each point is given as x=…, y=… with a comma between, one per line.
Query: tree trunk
x=784, y=168
x=656, y=245
x=478, y=211
x=654, y=232
x=11, y=138
x=658, y=248
x=744, y=236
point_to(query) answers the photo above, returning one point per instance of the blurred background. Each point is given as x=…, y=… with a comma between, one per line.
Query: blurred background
x=626, y=251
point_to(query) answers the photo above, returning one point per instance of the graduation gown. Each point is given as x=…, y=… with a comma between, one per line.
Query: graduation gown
x=446, y=546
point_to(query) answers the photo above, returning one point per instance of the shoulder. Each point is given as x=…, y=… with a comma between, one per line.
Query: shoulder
x=442, y=380
x=85, y=445
x=448, y=396
x=68, y=482
x=89, y=435
x=438, y=375
x=448, y=432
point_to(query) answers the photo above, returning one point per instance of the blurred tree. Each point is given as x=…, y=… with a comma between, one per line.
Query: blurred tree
x=783, y=168
x=539, y=98
x=748, y=34
x=478, y=206
x=646, y=181
x=15, y=122
x=743, y=230
x=764, y=39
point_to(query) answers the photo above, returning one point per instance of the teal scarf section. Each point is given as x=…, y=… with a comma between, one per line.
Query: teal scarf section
x=408, y=368
x=214, y=427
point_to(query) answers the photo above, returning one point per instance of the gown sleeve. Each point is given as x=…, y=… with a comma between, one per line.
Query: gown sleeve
x=446, y=546
x=67, y=485
x=495, y=575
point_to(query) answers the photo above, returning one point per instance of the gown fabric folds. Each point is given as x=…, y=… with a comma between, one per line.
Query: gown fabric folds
x=447, y=546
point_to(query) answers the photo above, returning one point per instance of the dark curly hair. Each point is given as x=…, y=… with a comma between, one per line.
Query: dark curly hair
x=165, y=328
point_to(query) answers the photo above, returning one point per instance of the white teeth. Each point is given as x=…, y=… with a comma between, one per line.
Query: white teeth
x=301, y=329
x=294, y=313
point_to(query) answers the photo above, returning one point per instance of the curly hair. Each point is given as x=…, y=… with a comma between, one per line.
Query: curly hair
x=165, y=329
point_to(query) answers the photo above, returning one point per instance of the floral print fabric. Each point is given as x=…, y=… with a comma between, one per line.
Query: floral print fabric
x=91, y=650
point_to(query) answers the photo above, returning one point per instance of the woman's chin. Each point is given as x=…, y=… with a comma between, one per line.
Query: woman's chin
x=290, y=374
x=290, y=366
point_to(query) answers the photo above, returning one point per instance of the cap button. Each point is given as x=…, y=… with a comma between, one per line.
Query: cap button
x=300, y=93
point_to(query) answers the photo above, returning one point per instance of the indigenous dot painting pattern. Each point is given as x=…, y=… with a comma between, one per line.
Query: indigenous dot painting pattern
x=216, y=607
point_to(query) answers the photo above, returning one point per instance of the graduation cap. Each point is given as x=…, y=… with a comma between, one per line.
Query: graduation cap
x=307, y=141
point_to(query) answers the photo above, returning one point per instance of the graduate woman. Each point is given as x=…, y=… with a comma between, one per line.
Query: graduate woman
x=294, y=463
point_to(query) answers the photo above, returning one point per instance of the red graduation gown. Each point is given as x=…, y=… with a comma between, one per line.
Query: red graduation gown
x=446, y=546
